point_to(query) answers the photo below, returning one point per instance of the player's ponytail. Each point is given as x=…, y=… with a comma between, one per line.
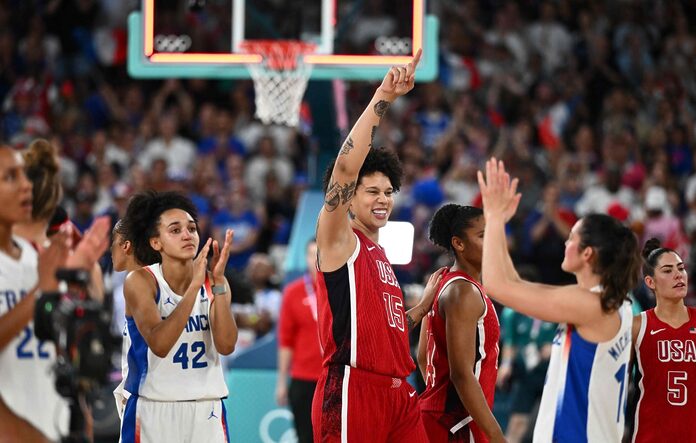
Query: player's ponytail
x=41, y=161
x=449, y=221
x=616, y=258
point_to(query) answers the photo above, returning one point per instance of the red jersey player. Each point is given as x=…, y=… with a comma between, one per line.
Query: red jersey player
x=363, y=328
x=458, y=349
x=664, y=339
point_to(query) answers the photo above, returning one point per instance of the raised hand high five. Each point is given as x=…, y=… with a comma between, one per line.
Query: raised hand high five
x=401, y=79
x=499, y=193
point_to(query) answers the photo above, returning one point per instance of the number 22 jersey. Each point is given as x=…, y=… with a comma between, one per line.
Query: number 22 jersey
x=666, y=359
x=27, y=379
x=192, y=369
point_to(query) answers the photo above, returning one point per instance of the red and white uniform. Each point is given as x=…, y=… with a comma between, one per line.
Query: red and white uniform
x=364, y=336
x=666, y=358
x=444, y=415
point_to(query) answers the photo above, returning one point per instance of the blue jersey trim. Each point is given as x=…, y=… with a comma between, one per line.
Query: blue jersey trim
x=128, y=425
x=571, y=413
x=137, y=359
x=225, y=422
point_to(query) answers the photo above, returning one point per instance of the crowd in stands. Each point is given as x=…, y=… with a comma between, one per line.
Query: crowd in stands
x=590, y=103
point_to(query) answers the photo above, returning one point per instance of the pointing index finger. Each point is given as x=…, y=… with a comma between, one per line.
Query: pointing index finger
x=411, y=67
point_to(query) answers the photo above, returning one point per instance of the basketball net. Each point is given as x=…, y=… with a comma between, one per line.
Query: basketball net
x=280, y=79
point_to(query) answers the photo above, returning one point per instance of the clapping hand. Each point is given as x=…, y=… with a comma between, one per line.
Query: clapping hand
x=220, y=257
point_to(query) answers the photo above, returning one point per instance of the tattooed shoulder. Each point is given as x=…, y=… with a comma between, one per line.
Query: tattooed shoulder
x=338, y=194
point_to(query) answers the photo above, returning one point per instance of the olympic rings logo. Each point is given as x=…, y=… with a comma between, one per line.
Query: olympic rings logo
x=172, y=43
x=393, y=45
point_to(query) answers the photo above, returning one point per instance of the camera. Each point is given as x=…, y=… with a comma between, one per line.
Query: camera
x=79, y=327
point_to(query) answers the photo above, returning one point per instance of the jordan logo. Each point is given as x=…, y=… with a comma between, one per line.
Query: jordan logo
x=212, y=414
x=169, y=301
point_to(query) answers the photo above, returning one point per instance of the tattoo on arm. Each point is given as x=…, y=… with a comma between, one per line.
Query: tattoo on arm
x=411, y=323
x=338, y=194
x=372, y=136
x=381, y=108
x=347, y=146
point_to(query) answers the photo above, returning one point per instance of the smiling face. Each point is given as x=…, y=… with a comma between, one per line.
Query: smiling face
x=178, y=235
x=15, y=188
x=373, y=201
x=671, y=279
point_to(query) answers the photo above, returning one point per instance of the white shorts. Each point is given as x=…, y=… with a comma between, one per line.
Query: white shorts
x=174, y=421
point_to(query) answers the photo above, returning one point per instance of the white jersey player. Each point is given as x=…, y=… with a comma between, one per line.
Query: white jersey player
x=26, y=363
x=178, y=322
x=585, y=391
x=586, y=386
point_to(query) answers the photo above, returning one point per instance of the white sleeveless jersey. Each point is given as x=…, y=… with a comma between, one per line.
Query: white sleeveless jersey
x=27, y=381
x=192, y=369
x=584, y=397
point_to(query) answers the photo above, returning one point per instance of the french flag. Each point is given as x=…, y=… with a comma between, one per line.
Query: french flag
x=550, y=128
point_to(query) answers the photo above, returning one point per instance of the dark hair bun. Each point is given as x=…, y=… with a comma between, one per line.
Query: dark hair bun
x=650, y=246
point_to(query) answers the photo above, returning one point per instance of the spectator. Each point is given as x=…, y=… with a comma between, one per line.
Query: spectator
x=237, y=214
x=299, y=353
x=178, y=152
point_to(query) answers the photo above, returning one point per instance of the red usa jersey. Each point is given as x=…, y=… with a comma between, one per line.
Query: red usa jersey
x=440, y=394
x=666, y=359
x=362, y=321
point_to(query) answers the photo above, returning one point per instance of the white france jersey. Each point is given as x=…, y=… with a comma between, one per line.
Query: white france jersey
x=192, y=369
x=27, y=381
x=584, y=397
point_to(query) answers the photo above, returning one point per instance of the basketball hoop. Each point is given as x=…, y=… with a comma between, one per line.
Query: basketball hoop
x=280, y=79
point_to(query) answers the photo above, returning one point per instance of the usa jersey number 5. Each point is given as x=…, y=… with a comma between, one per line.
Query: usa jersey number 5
x=676, y=390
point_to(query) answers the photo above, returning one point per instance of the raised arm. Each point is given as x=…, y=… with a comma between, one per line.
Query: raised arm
x=335, y=239
x=558, y=304
x=139, y=291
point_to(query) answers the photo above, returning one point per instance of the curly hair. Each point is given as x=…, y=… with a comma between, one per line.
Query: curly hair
x=652, y=251
x=617, y=260
x=142, y=220
x=378, y=160
x=449, y=221
x=43, y=170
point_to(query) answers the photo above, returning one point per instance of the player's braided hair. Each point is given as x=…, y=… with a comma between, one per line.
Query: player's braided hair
x=451, y=220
